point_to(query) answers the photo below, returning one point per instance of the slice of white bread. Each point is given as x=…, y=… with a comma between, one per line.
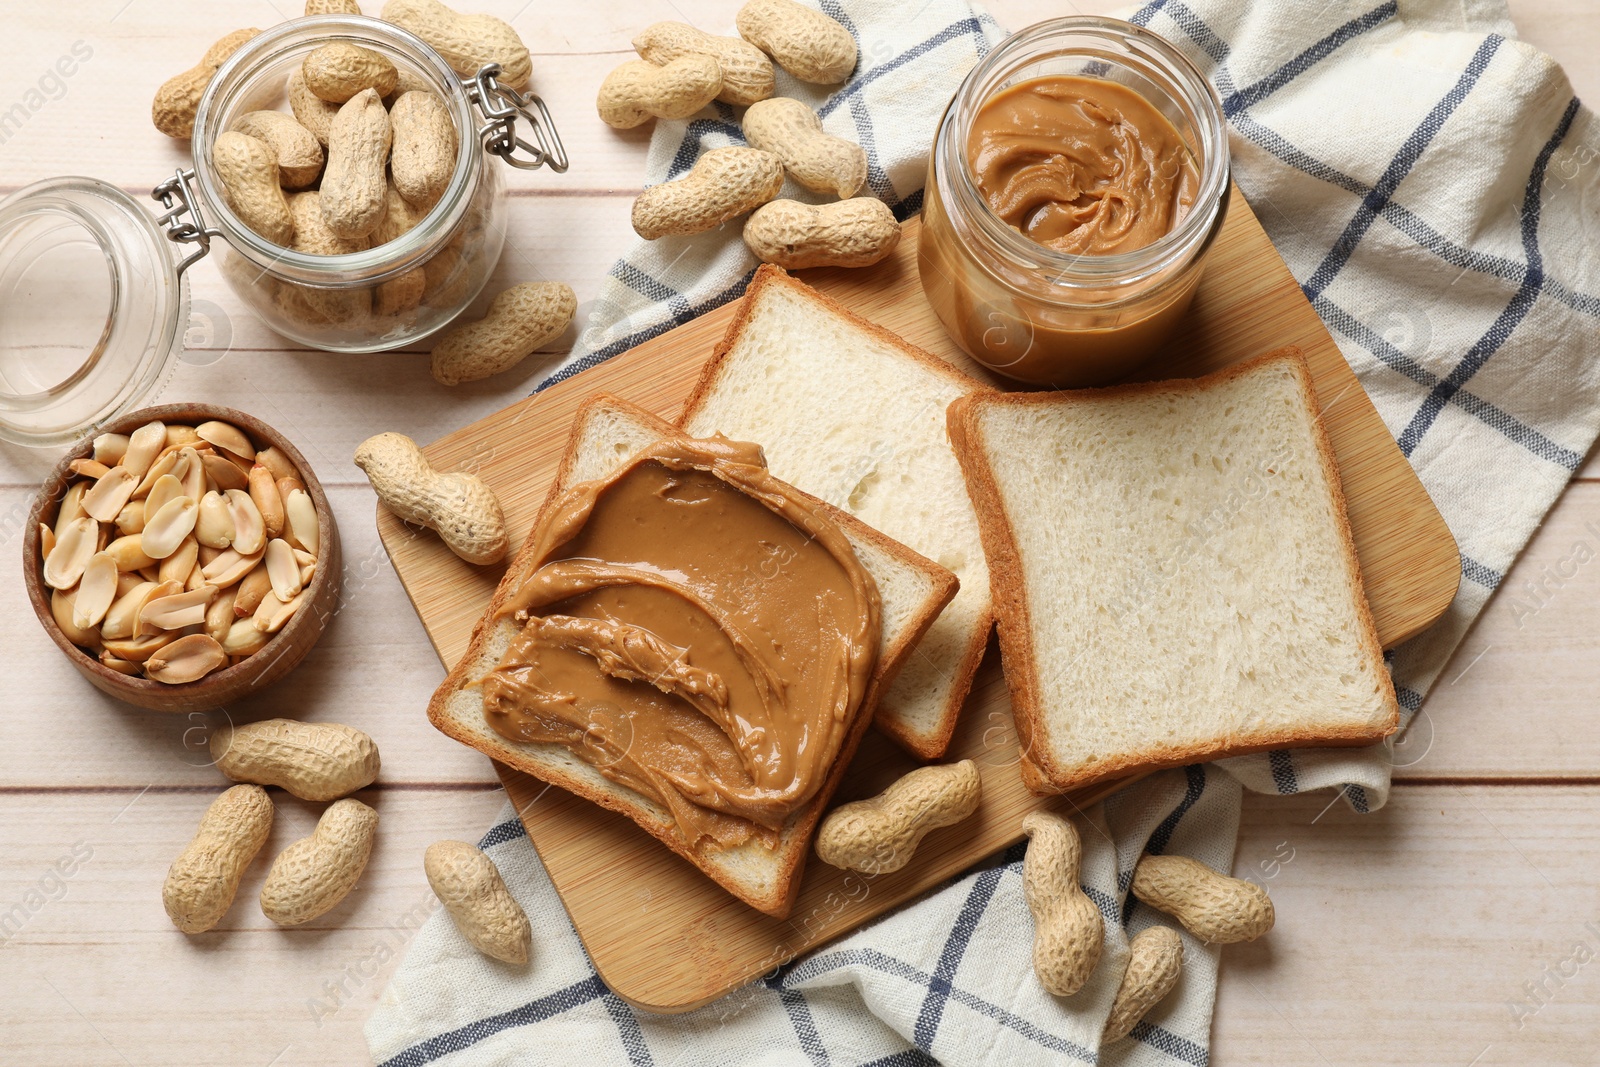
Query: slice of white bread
x=913, y=591
x=1174, y=574
x=853, y=414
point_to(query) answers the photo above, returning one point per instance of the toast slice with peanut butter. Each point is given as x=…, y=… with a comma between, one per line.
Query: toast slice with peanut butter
x=851, y=413
x=692, y=643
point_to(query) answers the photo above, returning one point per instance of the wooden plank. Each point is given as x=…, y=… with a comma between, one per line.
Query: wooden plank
x=94, y=972
x=1516, y=699
x=1412, y=935
x=694, y=942
x=56, y=734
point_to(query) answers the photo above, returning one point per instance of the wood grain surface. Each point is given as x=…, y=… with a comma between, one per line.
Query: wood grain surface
x=1401, y=936
x=663, y=936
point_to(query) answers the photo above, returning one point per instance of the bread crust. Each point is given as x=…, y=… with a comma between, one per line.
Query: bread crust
x=1040, y=772
x=796, y=835
x=925, y=746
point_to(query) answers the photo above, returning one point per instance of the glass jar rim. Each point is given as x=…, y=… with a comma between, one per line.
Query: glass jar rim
x=1070, y=269
x=354, y=268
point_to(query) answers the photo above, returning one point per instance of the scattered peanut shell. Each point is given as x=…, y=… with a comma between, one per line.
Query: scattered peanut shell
x=723, y=184
x=637, y=91
x=879, y=835
x=174, y=106
x=847, y=233
x=819, y=161
x=469, y=885
x=519, y=320
x=1068, y=928
x=1214, y=907
x=315, y=761
x=202, y=882
x=747, y=74
x=467, y=42
x=1155, y=959
x=800, y=39
x=311, y=876
x=459, y=506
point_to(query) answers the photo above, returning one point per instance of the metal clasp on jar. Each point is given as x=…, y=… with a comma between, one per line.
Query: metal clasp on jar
x=502, y=106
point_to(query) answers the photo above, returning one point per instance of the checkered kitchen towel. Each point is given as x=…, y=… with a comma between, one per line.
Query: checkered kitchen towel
x=1433, y=184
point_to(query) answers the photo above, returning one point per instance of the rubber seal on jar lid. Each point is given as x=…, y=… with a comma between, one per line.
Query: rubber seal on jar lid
x=92, y=308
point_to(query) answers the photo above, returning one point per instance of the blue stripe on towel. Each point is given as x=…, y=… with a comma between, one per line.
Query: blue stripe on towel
x=546, y=1007
x=1399, y=167
x=1284, y=777
x=955, y=946
x=1521, y=303
x=1252, y=95
x=885, y=964
x=499, y=834
x=1180, y=1049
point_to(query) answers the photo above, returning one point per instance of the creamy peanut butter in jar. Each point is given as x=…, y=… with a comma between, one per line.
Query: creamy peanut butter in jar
x=1076, y=183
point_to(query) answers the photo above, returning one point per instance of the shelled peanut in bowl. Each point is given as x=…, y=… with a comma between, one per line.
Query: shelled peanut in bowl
x=163, y=553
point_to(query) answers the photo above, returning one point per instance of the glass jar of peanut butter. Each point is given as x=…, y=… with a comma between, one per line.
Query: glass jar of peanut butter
x=1076, y=182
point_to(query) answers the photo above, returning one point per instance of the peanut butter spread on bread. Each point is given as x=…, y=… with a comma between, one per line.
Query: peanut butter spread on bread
x=695, y=631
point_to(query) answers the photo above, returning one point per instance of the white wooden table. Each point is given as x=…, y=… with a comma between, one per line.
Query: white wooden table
x=1402, y=935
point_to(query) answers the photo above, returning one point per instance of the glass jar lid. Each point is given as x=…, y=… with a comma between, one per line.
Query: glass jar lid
x=92, y=308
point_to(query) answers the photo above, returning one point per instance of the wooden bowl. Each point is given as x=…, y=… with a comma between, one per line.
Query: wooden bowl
x=274, y=660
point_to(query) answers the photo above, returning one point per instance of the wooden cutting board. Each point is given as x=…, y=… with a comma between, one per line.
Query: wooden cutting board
x=662, y=935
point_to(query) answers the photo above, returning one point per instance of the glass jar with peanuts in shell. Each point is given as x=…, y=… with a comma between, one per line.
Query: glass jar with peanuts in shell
x=115, y=343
